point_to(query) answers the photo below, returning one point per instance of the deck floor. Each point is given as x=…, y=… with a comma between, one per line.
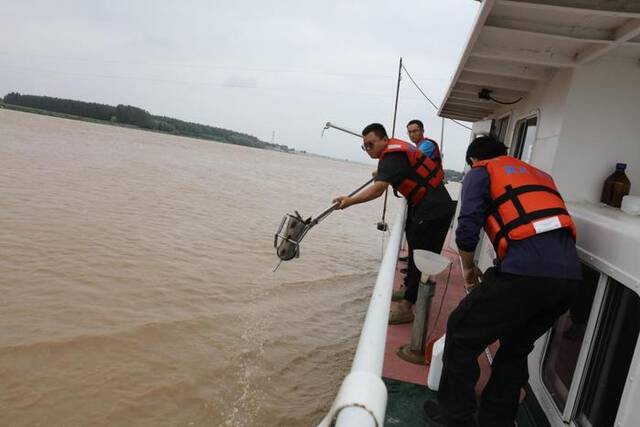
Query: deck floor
x=404, y=407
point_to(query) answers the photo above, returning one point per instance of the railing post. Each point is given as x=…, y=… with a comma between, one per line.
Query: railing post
x=414, y=351
x=429, y=264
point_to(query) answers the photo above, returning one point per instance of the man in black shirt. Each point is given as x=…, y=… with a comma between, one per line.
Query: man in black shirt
x=419, y=179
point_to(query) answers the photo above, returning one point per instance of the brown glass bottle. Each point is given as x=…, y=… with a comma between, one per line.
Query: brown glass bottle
x=616, y=186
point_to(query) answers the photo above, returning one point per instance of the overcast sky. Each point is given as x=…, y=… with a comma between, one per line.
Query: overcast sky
x=251, y=66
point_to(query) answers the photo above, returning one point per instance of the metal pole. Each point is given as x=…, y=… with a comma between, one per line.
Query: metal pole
x=333, y=207
x=382, y=225
x=414, y=351
x=419, y=332
x=349, y=131
x=395, y=109
x=430, y=264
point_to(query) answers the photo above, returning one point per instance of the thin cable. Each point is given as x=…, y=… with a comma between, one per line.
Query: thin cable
x=460, y=124
x=506, y=102
x=429, y=99
x=418, y=87
x=395, y=108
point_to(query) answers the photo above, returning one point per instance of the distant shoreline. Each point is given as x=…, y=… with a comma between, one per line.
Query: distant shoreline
x=41, y=112
x=450, y=174
x=70, y=116
x=132, y=117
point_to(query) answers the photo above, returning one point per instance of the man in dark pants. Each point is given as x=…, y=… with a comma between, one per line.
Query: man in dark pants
x=429, y=234
x=420, y=180
x=536, y=274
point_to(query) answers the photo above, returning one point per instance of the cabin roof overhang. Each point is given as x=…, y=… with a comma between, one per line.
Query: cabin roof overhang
x=517, y=44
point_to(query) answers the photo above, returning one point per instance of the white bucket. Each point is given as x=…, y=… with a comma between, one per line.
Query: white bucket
x=435, y=369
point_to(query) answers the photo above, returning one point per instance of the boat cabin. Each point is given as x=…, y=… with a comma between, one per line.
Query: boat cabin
x=558, y=81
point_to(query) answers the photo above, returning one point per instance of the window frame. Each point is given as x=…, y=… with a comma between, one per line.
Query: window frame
x=587, y=349
x=506, y=116
x=515, y=140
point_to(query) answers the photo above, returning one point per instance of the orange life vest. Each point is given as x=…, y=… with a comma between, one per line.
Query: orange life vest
x=426, y=173
x=525, y=202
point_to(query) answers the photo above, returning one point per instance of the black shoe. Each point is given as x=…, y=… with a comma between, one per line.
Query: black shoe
x=434, y=413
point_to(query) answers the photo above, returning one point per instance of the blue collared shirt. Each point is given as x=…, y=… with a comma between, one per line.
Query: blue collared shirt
x=427, y=147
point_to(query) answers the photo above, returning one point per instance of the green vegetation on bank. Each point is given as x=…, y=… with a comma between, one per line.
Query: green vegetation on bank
x=128, y=115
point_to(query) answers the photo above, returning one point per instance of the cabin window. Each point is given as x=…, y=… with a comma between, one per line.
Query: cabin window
x=566, y=339
x=524, y=137
x=590, y=349
x=499, y=128
x=615, y=343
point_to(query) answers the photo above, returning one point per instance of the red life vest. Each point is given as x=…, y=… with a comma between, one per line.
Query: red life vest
x=427, y=173
x=525, y=202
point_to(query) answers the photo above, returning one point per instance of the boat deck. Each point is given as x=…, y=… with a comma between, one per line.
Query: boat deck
x=406, y=382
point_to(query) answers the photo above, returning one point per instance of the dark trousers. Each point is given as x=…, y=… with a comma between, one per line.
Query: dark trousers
x=514, y=309
x=429, y=235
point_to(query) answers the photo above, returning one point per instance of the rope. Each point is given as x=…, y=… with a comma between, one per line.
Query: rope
x=429, y=99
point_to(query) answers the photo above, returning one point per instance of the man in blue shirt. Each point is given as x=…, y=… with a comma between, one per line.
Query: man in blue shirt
x=427, y=146
x=518, y=299
x=416, y=232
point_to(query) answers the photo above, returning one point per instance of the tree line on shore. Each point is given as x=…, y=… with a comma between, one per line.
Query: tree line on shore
x=135, y=116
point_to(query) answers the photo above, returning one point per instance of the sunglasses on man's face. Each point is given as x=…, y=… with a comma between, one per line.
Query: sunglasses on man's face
x=367, y=146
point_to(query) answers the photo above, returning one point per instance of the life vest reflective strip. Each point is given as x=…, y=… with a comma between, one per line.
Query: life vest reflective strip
x=525, y=202
x=425, y=172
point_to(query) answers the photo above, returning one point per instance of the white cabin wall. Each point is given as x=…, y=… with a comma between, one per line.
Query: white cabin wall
x=548, y=101
x=601, y=127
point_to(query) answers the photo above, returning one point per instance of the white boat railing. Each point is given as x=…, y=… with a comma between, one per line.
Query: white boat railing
x=362, y=398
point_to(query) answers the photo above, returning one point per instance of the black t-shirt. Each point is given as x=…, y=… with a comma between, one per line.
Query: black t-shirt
x=395, y=167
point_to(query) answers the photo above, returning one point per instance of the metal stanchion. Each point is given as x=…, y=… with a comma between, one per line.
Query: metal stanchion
x=430, y=264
